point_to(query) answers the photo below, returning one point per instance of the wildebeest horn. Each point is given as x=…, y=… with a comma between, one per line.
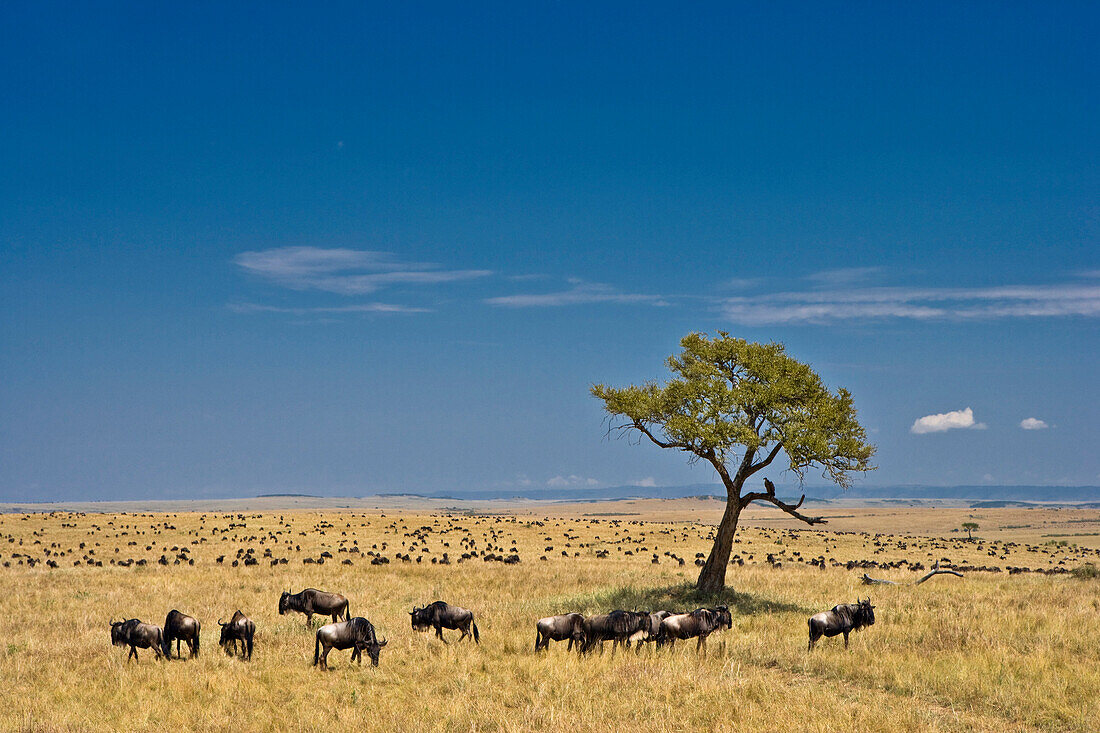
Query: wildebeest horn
x=220, y=623
x=383, y=642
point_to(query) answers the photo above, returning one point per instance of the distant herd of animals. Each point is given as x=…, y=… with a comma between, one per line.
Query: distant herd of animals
x=585, y=633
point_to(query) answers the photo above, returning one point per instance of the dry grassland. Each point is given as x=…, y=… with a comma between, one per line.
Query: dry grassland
x=991, y=651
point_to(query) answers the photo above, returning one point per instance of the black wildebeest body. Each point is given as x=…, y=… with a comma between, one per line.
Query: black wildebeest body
x=842, y=619
x=616, y=627
x=312, y=601
x=440, y=615
x=356, y=634
x=240, y=628
x=697, y=624
x=137, y=635
x=559, y=628
x=181, y=627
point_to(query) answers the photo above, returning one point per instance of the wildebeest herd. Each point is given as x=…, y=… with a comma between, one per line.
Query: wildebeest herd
x=619, y=627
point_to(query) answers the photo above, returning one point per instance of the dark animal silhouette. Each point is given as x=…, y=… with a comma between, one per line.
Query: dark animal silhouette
x=356, y=634
x=616, y=627
x=239, y=629
x=699, y=624
x=842, y=619
x=312, y=601
x=181, y=627
x=441, y=615
x=137, y=635
x=559, y=628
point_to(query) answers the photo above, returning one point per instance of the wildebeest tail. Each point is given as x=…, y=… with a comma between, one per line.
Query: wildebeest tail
x=538, y=638
x=477, y=636
x=198, y=634
x=317, y=649
x=347, y=610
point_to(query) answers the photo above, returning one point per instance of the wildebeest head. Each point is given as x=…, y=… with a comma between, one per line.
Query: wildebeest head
x=866, y=613
x=284, y=602
x=421, y=618
x=119, y=635
x=723, y=616
x=374, y=649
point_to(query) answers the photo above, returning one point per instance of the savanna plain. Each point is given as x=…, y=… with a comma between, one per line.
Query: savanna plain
x=1012, y=645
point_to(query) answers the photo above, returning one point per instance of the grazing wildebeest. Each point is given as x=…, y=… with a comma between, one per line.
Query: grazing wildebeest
x=616, y=627
x=356, y=634
x=181, y=627
x=240, y=628
x=135, y=634
x=697, y=624
x=311, y=601
x=441, y=615
x=842, y=619
x=559, y=628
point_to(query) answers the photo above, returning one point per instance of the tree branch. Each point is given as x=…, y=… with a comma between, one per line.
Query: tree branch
x=771, y=498
x=767, y=461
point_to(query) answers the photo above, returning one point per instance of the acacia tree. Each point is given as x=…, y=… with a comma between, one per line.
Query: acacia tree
x=738, y=405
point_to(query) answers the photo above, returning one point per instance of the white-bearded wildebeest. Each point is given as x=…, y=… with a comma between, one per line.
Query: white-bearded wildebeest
x=842, y=619
x=312, y=601
x=137, y=635
x=651, y=630
x=181, y=627
x=616, y=627
x=559, y=628
x=356, y=634
x=441, y=616
x=240, y=628
x=697, y=624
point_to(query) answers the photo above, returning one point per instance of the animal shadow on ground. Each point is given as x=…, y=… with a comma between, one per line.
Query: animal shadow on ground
x=679, y=597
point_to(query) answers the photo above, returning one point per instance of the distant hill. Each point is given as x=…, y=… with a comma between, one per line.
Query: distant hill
x=1043, y=494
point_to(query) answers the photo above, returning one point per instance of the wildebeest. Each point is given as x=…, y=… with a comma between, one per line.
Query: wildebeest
x=311, y=601
x=616, y=627
x=441, y=615
x=842, y=619
x=356, y=634
x=559, y=628
x=240, y=628
x=697, y=624
x=651, y=629
x=137, y=635
x=181, y=627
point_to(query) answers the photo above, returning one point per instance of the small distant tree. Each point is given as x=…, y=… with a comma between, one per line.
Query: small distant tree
x=737, y=405
x=970, y=527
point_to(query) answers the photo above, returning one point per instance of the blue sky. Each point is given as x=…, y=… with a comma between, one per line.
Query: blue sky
x=371, y=248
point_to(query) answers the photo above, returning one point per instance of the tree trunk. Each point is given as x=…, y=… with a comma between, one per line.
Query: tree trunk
x=712, y=578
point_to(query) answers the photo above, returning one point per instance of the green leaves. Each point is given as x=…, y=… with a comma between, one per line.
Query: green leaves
x=731, y=399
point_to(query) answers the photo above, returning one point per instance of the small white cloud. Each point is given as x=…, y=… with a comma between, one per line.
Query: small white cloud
x=946, y=421
x=1033, y=423
x=571, y=480
x=647, y=483
x=987, y=477
x=581, y=293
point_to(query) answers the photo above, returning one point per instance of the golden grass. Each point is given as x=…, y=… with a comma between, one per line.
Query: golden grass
x=988, y=652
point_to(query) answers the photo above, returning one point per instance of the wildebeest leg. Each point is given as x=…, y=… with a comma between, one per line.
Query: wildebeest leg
x=439, y=633
x=249, y=649
x=845, y=639
x=701, y=644
x=133, y=654
x=309, y=620
x=357, y=655
x=178, y=655
x=324, y=657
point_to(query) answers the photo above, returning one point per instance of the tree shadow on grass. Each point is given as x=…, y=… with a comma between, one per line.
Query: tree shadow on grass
x=683, y=597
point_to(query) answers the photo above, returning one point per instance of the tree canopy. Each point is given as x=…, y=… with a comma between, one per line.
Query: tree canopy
x=738, y=405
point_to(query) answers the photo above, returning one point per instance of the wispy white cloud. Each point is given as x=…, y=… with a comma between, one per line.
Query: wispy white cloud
x=843, y=276
x=356, y=308
x=946, y=421
x=1033, y=423
x=344, y=271
x=582, y=293
x=646, y=483
x=571, y=480
x=824, y=306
